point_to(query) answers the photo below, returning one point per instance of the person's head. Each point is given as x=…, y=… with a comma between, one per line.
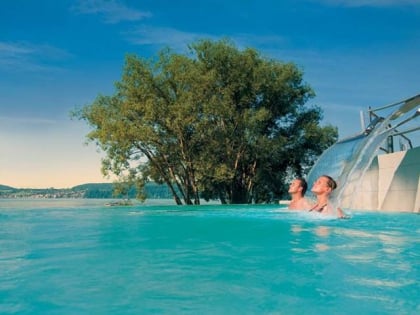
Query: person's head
x=324, y=184
x=298, y=185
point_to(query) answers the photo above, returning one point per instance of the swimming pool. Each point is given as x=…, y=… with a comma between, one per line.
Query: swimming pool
x=80, y=257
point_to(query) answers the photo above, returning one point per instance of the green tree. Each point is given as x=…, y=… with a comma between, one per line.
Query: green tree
x=217, y=123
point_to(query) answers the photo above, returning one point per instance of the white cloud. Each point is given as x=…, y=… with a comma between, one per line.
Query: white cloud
x=370, y=3
x=112, y=11
x=164, y=36
x=26, y=56
x=179, y=40
x=260, y=41
x=6, y=120
x=8, y=49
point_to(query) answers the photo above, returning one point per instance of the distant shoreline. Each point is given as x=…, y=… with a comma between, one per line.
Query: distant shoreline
x=84, y=191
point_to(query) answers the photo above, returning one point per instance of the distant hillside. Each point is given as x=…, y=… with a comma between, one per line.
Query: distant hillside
x=4, y=187
x=90, y=190
x=105, y=190
x=157, y=191
x=96, y=190
x=103, y=186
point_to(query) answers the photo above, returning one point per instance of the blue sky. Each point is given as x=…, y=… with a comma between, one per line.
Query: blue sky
x=59, y=55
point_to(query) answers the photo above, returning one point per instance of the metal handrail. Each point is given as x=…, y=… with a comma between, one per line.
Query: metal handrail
x=405, y=106
x=394, y=104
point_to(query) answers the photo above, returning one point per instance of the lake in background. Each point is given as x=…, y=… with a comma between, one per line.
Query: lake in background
x=81, y=257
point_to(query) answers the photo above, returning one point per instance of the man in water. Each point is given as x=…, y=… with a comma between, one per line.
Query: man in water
x=297, y=190
x=322, y=188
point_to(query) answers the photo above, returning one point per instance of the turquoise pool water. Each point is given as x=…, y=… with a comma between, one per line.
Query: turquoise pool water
x=80, y=257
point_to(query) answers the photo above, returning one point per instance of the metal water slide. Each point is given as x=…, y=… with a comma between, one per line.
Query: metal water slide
x=349, y=158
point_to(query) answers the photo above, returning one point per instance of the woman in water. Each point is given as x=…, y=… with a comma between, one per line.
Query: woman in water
x=322, y=188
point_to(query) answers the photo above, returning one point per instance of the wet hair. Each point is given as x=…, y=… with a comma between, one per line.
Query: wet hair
x=330, y=182
x=303, y=184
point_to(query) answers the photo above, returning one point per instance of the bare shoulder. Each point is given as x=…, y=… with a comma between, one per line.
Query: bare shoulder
x=301, y=204
x=307, y=204
x=293, y=205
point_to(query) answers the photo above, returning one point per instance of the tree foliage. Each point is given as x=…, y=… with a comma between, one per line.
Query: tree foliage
x=217, y=123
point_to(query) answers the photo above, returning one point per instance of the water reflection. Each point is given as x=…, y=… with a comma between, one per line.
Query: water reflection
x=360, y=244
x=381, y=283
x=323, y=232
x=319, y=247
x=296, y=228
x=299, y=245
x=352, y=244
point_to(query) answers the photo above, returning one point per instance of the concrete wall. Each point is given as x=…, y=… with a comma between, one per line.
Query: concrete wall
x=392, y=183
